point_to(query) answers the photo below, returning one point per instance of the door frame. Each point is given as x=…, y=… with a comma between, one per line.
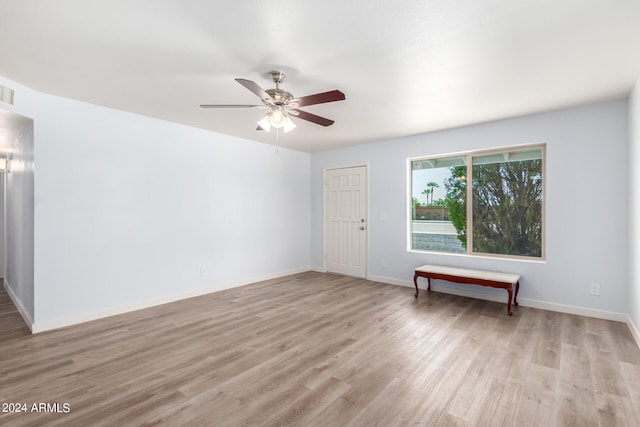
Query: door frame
x=324, y=213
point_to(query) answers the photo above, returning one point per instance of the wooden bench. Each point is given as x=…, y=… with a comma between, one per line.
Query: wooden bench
x=473, y=277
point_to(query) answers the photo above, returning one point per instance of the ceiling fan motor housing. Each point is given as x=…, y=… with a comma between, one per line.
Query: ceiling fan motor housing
x=281, y=97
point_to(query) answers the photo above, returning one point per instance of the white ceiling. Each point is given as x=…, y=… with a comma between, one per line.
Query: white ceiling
x=405, y=66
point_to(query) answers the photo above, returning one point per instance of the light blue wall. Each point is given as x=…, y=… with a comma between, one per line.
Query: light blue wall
x=131, y=208
x=586, y=203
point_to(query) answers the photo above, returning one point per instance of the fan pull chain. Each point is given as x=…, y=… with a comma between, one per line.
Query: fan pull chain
x=277, y=141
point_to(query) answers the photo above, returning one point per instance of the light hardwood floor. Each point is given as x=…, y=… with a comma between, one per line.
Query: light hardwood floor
x=324, y=350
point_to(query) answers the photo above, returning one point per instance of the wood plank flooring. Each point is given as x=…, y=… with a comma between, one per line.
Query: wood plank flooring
x=323, y=350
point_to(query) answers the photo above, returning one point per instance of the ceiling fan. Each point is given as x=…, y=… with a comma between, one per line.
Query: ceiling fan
x=282, y=104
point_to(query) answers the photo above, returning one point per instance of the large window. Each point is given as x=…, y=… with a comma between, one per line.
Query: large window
x=479, y=203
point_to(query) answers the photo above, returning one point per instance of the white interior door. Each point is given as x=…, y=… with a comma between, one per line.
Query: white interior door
x=345, y=221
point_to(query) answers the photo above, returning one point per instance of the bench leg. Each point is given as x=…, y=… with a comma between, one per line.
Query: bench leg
x=515, y=298
x=415, y=282
x=510, y=290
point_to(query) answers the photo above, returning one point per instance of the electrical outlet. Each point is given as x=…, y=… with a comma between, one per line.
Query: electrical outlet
x=203, y=271
x=383, y=264
x=595, y=289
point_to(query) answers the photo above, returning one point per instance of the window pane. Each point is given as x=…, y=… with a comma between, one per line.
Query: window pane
x=432, y=217
x=507, y=203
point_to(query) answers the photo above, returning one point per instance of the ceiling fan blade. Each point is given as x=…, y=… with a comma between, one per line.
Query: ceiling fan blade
x=230, y=106
x=322, y=121
x=318, y=98
x=253, y=87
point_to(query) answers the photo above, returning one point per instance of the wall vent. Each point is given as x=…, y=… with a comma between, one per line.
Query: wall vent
x=6, y=95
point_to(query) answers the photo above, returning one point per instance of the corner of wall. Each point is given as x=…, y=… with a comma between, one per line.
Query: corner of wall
x=634, y=211
x=19, y=306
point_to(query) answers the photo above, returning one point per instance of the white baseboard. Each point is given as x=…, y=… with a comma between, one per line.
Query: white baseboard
x=318, y=269
x=114, y=311
x=634, y=330
x=524, y=302
x=16, y=301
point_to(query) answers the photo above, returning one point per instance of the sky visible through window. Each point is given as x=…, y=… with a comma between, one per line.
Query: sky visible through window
x=424, y=176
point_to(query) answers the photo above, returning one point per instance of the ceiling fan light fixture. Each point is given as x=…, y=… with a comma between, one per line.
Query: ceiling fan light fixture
x=277, y=118
x=265, y=123
x=288, y=125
